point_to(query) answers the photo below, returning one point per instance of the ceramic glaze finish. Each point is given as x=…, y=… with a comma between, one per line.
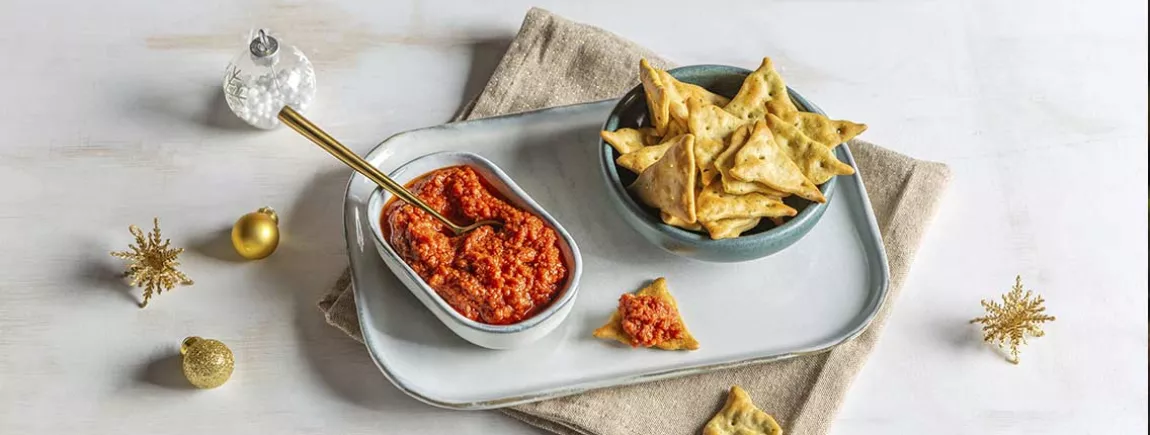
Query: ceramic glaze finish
x=760, y=241
x=554, y=157
x=114, y=116
x=489, y=336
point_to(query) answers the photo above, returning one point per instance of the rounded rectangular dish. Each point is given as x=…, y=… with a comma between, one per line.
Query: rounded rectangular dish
x=482, y=334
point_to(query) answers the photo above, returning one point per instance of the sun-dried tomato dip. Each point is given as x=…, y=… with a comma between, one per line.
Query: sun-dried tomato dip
x=649, y=320
x=494, y=276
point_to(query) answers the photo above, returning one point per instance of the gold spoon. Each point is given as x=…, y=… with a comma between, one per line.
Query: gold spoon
x=300, y=124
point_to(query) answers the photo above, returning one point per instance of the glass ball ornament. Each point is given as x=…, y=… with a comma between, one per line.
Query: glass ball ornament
x=265, y=77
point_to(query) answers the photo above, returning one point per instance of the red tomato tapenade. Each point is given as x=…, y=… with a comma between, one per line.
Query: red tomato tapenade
x=494, y=276
x=649, y=320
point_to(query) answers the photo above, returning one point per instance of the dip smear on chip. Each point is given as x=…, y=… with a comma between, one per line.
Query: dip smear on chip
x=649, y=318
x=494, y=276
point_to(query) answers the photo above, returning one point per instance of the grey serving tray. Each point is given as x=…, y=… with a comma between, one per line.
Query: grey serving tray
x=820, y=292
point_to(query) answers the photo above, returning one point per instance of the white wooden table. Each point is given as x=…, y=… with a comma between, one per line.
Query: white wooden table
x=114, y=115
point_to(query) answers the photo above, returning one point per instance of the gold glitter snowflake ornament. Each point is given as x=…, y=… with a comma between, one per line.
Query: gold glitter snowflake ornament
x=153, y=266
x=1017, y=317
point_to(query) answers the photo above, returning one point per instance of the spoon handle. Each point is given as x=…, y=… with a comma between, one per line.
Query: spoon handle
x=302, y=125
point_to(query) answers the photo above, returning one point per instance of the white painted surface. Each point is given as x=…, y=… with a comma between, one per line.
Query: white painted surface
x=114, y=116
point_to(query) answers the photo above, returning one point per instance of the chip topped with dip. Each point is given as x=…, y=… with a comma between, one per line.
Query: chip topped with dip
x=649, y=318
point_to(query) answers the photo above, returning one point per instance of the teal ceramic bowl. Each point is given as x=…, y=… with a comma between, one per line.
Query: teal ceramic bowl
x=759, y=242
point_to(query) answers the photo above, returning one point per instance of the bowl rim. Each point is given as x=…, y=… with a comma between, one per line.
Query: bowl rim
x=792, y=228
x=568, y=291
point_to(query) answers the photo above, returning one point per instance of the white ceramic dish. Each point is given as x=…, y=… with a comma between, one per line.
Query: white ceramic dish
x=489, y=336
x=816, y=294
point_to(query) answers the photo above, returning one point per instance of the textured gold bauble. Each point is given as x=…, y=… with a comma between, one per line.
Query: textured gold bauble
x=207, y=363
x=256, y=235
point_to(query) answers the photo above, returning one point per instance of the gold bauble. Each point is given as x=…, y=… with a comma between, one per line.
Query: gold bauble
x=256, y=235
x=207, y=363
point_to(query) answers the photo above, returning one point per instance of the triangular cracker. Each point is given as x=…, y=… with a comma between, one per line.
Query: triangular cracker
x=824, y=130
x=761, y=160
x=739, y=416
x=689, y=91
x=676, y=127
x=730, y=228
x=626, y=140
x=613, y=329
x=817, y=162
x=676, y=100
x=711, y=126
x=669, y=184
x=658, y=102
x=763, y=91
x=726, y=160
x=644, y=157
x=667, y=99
x=713, y=205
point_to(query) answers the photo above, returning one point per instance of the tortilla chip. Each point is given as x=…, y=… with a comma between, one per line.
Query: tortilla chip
x=626, y=140
x=676, y=127
x=711, y=127
x=816, y=160
x=678, y=94
x=778, y=221
x=763, y=91
x=676, y=222
x=669, y=184
x=658, y=103
x=740, y=417
x=730, y=228
x=676, y=100
x=761, y=160
x=689, y=91
x=637, y=161
x=613, y=329
x=826, y=131
x=726, y=160
x=667, y=99
x=713, y=205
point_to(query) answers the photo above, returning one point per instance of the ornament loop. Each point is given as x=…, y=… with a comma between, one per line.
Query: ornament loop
x=271, y=212
x=188, y=343
x=264, y=45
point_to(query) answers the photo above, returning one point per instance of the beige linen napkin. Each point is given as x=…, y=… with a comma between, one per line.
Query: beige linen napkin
x=553, y=62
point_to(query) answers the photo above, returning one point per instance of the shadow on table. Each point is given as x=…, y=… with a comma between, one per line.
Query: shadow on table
x=219, y=116
x=217, y=245
x=101, y=271
x=964, y=336
x=165, y=370
x=208, y=109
